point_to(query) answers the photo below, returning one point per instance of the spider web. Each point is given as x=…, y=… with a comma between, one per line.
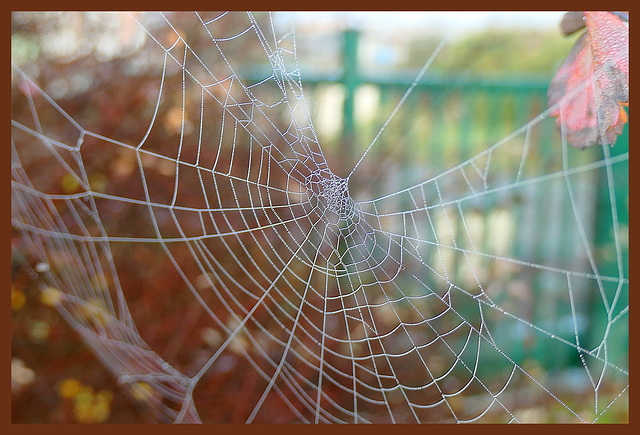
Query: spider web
x=313, y=300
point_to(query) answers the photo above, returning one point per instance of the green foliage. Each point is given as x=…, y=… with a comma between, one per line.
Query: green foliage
x=24, y=48
x=498, y=51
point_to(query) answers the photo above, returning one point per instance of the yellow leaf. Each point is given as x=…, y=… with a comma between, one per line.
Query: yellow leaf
x=68, y=388
x=50, y=296
x=141, y=391
x=18, y=299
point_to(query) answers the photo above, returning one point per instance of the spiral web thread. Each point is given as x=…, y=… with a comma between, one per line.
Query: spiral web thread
x=347, y=310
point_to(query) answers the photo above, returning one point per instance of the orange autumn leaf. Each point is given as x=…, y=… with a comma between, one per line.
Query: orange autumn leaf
x=592, y=85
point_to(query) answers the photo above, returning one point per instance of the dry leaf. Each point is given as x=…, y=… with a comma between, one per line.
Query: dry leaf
x=592, y=85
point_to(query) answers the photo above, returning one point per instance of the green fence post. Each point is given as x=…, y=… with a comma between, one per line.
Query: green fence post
x=350, y=79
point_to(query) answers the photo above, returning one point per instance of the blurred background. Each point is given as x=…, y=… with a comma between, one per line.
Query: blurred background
x=490, y=78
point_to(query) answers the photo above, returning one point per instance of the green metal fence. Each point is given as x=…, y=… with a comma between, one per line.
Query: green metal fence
x=449, y=120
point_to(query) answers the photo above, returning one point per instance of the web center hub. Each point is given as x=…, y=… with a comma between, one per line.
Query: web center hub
x=333, y=192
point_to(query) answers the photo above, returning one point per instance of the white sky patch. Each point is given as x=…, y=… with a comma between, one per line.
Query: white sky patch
x=437, y=22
